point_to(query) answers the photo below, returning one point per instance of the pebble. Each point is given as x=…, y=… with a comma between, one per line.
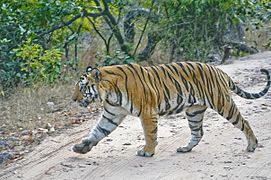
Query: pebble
x=42, y=130
x=127, y=144
x=67, y=165
x=25, y=132
x=50, y=104
x=4, y=157
x=3, y=144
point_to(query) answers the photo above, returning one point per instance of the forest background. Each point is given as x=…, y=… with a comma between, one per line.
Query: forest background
x=46, y=44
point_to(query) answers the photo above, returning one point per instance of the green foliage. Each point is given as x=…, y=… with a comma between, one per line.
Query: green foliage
x=194, y=29
x=188, y=29
x=28, y=19
x=119, y=58
x=38, y=64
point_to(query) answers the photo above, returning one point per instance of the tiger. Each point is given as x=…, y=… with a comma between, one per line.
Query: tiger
x=165, y=89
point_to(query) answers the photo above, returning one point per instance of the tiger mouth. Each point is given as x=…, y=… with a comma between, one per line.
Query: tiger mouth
x=85, y=102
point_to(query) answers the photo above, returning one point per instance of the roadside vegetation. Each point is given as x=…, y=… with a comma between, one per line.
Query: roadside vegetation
x=45, y=45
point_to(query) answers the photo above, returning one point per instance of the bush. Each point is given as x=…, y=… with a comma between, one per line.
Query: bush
x=119, y=58
x=38, y=64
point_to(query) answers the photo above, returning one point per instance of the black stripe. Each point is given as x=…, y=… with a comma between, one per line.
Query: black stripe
x=167, y=90
x=192, y=68
x=142, y=72
x=169, y=75
x=102, y=130
x=109, y=112
x=179, y=101
x=131, y=72
x=110, y=72
x=140, y=79
x=210, y=85
x=155, y=130
x=176, y=70
x=153, y=84
x=255, y=96
x=180, y=109
x=231, y=112
x=157, y=75
x=162, y=113
x=167, y=102
x=126, y=81
x=164, y=71
x=183, y=68
x=185, y=83
x=191, y=71
x=197, y=129
x=170, y=68
x=131, y=108
x=243, y=126
x=119, y=95
x=110, y=120
x=139, y=113
x=200, y=71
x=106, y=100
x=194, y=121
x=195, y=113
x=248, y=95
x=237, y=119
x=159, y=107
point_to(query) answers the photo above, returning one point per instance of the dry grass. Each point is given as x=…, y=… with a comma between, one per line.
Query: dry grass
x=34, y=107
x=31, y=114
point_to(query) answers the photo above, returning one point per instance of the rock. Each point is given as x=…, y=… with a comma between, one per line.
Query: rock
x=5, y=156
x=42, y=130
x=25, y=132
x=2, y=131
x=50, y=128
x=67, y=165
x=127, y=144
x=50, y=104
x=3, y=144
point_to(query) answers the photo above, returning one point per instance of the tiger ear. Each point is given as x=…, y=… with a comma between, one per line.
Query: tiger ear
x=89, y=69
x=96, y=74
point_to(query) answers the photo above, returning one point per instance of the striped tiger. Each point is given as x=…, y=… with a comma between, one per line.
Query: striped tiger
x=150, y=92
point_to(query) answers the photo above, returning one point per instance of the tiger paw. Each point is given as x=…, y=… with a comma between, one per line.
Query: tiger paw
x=84, y=147
x=183, y=149
x=144, y=153
x=81, y=148
x=253, y=144
x=251, y=147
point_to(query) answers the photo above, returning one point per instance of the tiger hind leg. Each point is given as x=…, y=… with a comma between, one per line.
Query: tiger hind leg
x=195, y=119
x=233, y=115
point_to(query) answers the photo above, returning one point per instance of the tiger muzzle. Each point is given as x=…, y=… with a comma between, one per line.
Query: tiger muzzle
x=84, y=102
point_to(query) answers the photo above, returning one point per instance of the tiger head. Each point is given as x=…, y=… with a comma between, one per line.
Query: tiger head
x=86, y=90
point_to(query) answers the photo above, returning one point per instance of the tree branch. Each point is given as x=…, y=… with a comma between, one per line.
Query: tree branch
x=67, y=23
x=98, y=32
x=145, y=26
x=111, y=21
x=129, y=29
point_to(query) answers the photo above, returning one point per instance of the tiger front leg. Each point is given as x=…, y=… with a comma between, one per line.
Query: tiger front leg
x=108, y=123
x=150, y=133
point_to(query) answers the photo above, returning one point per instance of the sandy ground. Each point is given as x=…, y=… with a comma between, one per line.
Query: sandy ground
x=220, y=155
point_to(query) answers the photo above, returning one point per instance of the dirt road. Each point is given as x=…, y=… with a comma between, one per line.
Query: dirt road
x=220, y=155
